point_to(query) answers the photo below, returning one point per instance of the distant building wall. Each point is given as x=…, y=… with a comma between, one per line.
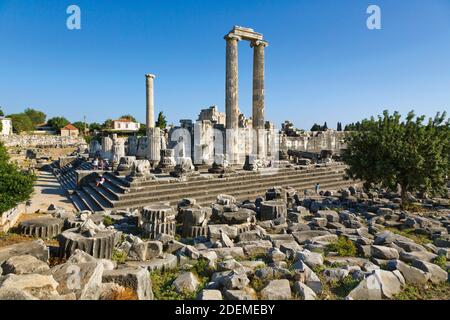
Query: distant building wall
x=6, y=126
x=30, y=141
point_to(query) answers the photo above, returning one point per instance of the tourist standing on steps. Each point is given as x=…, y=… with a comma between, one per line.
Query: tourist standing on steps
x=95, y=163
x=317, y=188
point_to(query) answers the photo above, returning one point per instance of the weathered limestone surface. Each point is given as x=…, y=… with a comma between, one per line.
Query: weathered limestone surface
x=42, y=227
x=29, y=141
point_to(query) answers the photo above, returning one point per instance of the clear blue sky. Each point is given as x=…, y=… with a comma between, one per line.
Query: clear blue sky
x=322, y=63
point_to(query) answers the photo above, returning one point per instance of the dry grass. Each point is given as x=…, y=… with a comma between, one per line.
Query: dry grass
x=124, y=294
x=7, y=239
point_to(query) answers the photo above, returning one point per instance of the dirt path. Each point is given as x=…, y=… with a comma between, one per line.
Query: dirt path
x=48, y=191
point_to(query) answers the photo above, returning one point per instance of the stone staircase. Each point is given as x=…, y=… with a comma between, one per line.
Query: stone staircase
x=67, y=176
x=118, y=193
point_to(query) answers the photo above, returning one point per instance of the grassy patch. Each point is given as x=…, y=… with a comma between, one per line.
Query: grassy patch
x=429, y=291
x=119, y=256
x=343, y=247
x=441, y=261
x=410, y=233
x=9, y=238
x=108, y=221
x=162, y=281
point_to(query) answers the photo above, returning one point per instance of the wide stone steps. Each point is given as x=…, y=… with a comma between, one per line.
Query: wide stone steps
x=242, y=192
x=111, y=199
x=117, y=193
x=223, y=186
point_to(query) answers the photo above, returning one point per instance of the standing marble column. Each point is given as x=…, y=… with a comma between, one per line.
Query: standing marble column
x=150, y=120
x=231, y=82
x=258, y=83
x=258, y=95
x=154, y=145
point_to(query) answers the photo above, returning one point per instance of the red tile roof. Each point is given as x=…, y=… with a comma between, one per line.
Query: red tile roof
x=70, y=127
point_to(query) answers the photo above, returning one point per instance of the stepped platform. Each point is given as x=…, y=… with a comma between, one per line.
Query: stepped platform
x=118, y=193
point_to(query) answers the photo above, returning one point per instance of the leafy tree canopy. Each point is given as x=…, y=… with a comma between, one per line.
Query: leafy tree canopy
x=21, y=122
x=108, y=124
x=128, y=117
x=95, y=126
x=57, y=123
x=36, y=117
x=161, y=122
x=412, y=154
x=15, y=186
x=315, y=127
x=80, y=126
x=1, y=112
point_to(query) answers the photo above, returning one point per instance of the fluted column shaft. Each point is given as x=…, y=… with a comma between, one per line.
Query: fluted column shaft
x=150, y=119
x=231, y=82
x=258, y=84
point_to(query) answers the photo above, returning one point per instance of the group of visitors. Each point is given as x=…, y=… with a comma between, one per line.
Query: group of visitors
x=99, y=164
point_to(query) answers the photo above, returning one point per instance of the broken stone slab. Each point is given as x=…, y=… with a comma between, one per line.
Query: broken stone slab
x=302, y=236
x=235, y=280
x=411, y=274
x=216, y=229
x=380, y=284
x=24, y=264
x=252, y=235
x=137, y=279
x=83, y=279
x=225, y=240
x=273, y=209
x=409, y=246
x=209, y=294
x=166, y=262
x=417, y=255
x=312, y=259
x=437, y=274
x=145, y=250
x=303, y=291
x=37, y=249
x=256, y=248
x=277, y=290
x=330, y=215
x=245, y=294
x=37, y=286
x=235, y=252
x=309, y=277
x=385, y=253
x=99, y=245
x=186, y=282
x=42, y=227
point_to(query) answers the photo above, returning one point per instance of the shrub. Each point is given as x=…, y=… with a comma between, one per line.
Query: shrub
x=343, y=247
x=119, y=256
x=108, y=221
x=441, y=261
x=15, y=186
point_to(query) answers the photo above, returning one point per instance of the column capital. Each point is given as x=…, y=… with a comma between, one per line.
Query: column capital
x=257, y=43
x=232, y=36
x=149, y=75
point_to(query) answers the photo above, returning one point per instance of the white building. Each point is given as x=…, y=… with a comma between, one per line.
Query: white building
x=126, y=125
x=6, y=126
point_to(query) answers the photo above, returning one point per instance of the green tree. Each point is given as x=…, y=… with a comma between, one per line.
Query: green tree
x=325, y=126
x=95, y=126
x=15, y=186
x=316, y=127
x=411, y=154
x=57, y=123
x=128, y=117
x=80, y=126
x=142, y=130
x=1, y=112
x=161, y=122
x=36, y=117
x=21, y=122
x=108, y=124
x=339, y=126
